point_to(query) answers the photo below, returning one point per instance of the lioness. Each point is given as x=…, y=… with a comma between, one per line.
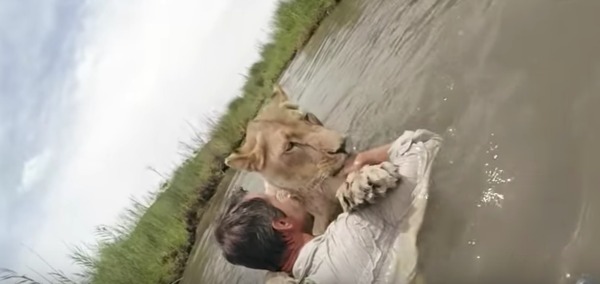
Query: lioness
x=295, y=153
x=261, y=146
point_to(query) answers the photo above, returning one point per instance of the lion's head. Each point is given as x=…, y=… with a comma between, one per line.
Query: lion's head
x=290, y=149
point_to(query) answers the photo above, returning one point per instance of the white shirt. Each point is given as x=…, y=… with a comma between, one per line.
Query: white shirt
x=377, y=244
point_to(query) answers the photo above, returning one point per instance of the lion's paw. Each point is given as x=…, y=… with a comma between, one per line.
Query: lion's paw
x=367, y=184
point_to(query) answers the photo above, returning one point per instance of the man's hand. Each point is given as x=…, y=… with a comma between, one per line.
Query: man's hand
x=373, y=156
x=366, y=184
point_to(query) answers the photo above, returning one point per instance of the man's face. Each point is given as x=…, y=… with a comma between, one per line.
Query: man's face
x=296, y=220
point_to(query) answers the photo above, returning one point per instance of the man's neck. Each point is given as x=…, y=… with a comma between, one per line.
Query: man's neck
x=295, y=244
x=293, y=250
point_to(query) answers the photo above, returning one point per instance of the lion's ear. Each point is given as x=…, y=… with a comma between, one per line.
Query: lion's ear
x=238, y=161
x=251, y=162
x=287, y=105
x=310, y=117
x=279, y=94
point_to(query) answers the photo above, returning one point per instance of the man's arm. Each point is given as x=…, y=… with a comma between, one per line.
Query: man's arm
x=368, y=176
x=391, y=151
x=372, y=156
x=413, y=154
x=408, y=158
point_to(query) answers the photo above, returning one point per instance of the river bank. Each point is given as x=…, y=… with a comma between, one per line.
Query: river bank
x=154, y=239
x=516, y=107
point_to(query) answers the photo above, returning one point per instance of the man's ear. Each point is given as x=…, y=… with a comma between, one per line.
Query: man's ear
x=251, y=162
x=282, y=224
x=310, y=117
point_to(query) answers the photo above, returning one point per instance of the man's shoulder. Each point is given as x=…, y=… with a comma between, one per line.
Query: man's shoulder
x=340, y=255
x=403, y=143
x=352, y=227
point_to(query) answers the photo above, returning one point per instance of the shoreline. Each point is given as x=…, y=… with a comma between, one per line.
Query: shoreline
x=154, y=242
x=224, y=181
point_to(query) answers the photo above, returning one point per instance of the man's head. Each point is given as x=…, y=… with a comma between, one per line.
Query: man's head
x=289, y=148
x=256, y=230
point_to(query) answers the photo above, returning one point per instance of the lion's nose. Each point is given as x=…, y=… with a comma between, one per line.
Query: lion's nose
x=345, y=146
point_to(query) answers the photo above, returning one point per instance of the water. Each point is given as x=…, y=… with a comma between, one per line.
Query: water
x=513, y=86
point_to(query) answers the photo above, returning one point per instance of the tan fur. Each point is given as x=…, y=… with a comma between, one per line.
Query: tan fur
x=306, y=171
x=294, y=153
x=279, y=278
x=276, y=191
x=360, y=188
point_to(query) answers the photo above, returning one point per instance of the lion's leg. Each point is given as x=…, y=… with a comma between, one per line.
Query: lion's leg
x=324, y=213
x=320, y=225
x=278, y=278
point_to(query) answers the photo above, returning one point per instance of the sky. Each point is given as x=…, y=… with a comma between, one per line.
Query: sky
x=92, y=94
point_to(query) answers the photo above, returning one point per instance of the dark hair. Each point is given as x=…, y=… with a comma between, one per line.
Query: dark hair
x=245, y=233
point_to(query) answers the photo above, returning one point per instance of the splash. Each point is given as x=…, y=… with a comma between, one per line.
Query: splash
x=495, y=178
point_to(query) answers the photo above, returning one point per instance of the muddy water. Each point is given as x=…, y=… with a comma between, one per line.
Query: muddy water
x=513, y=86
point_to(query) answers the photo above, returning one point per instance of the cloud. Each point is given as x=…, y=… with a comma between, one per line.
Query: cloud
x=129, y=79
x=34, y=170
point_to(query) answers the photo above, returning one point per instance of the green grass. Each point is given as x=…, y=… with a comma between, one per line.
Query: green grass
x=152, y=243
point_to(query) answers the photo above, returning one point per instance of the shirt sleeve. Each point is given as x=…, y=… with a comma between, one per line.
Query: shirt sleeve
x=353, y=246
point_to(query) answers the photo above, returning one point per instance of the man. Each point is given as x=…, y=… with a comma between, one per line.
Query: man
x=264, y=232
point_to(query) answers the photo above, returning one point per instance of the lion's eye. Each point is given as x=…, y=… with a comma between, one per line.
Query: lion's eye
x=289, y=146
